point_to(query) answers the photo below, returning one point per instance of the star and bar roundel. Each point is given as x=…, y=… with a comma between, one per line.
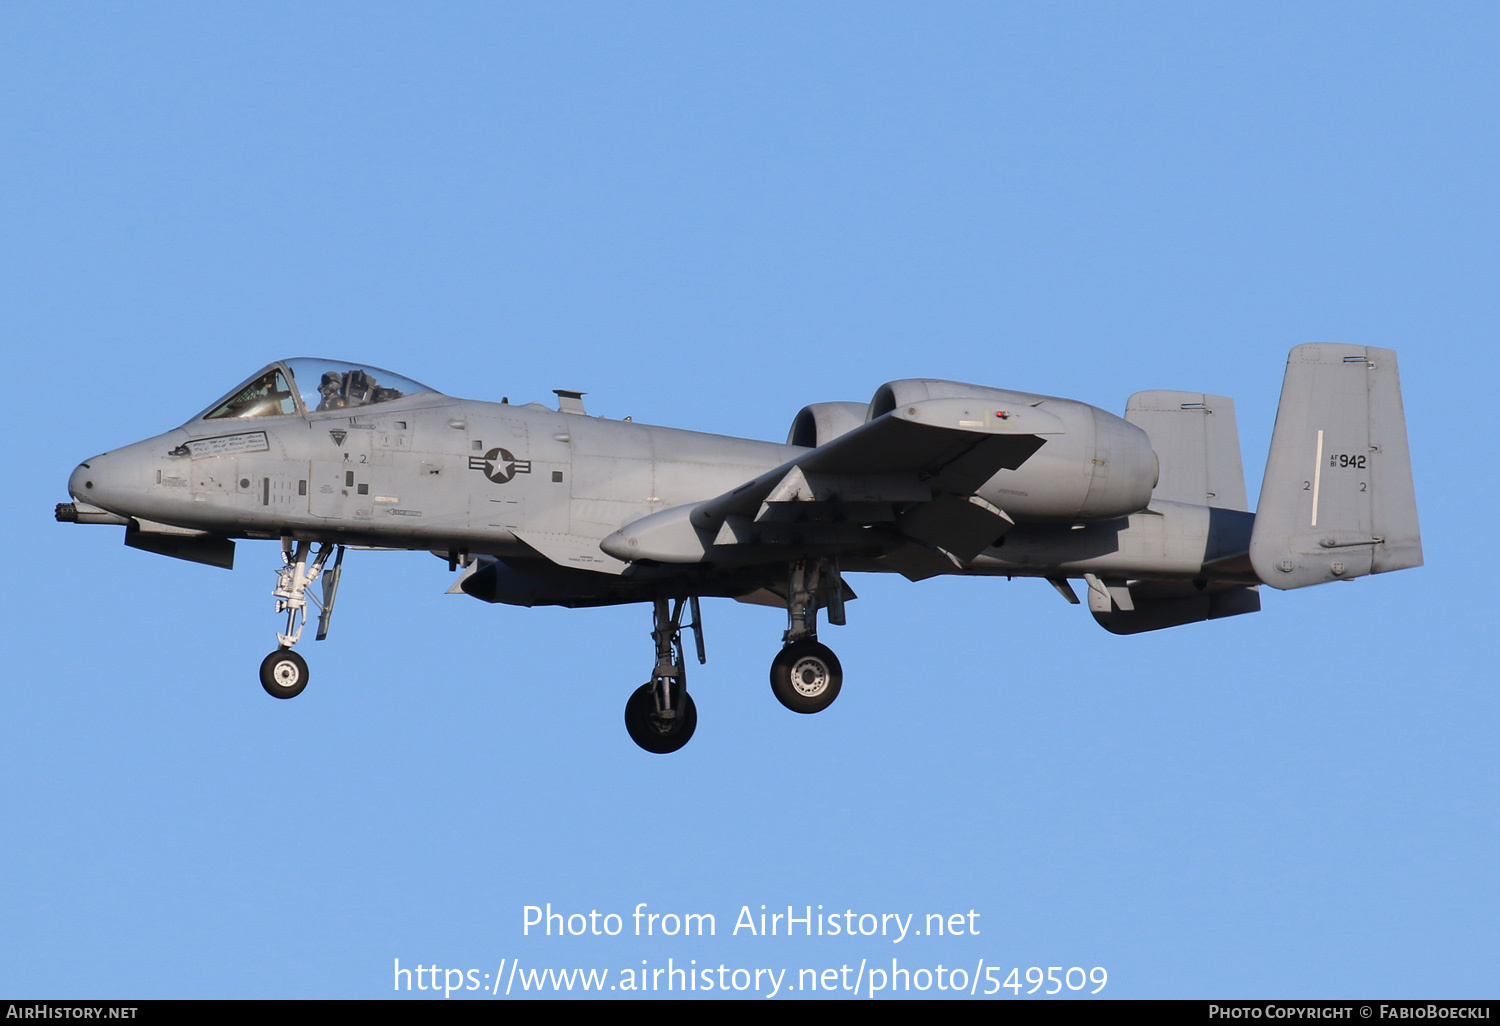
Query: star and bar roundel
x=499, y=465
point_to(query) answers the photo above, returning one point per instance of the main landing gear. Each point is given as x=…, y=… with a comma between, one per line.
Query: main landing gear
x=284, y=673
x=806, y=675
x=660, y=715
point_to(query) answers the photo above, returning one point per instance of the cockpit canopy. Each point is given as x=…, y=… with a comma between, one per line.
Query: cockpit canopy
x=310, y=385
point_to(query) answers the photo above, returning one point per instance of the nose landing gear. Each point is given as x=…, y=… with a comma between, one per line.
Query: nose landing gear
x=284, y=673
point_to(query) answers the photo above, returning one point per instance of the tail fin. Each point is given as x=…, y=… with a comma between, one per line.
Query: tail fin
x=1197, y=446
x=1337, y=501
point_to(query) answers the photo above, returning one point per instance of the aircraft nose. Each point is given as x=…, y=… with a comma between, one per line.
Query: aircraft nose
x=110, y=480
x=81, y=484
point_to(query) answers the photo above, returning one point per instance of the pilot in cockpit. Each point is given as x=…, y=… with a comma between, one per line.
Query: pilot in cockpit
x=340, y=386
x=355, y=387
x=332, y=390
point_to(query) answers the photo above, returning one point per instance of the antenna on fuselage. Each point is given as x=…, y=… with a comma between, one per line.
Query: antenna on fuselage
x=570, y=402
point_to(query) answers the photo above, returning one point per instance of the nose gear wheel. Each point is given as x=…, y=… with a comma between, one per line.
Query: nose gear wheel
x=283, y=674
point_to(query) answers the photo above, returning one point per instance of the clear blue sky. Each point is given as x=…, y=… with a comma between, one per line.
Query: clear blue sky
x=708, y=216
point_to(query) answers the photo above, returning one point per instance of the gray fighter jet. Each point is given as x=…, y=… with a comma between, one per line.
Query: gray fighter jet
x=555, y=507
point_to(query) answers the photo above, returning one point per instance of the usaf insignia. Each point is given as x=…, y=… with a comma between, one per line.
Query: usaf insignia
x=499, y=465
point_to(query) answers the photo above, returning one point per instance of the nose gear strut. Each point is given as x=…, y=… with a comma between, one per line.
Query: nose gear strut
x=284, y=673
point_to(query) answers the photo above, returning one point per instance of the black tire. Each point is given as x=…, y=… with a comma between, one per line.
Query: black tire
x=283, y=674
x=806, y=676
x=652, y=734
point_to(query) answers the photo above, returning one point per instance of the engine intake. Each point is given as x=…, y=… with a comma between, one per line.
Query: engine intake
x=820, y=423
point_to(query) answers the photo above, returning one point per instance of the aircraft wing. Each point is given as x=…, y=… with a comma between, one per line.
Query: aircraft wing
x=898, y=487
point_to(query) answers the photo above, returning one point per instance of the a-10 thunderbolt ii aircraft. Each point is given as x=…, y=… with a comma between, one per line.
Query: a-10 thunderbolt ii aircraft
x=556, y=507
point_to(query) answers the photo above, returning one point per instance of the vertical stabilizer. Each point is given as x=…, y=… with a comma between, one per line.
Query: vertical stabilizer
x=1197, y=445
x=1337, y=501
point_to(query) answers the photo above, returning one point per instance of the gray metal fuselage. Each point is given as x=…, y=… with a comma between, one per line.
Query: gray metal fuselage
x=523, y=482
x=412, y=473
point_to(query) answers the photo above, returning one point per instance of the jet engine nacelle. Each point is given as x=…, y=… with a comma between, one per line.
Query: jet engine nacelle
x=1101, y=466
x=821, y=423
